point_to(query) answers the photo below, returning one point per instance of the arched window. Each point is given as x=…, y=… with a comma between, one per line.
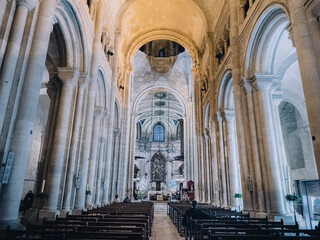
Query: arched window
x=158, y=133
x=162, y=53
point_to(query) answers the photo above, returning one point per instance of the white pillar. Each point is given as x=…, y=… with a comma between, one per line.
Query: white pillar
x=58, y=160
x=93, y=152
x=234, y=178
x=12, y=53
x=102, y=154
x=308, y=68
x=86, y=139
x=22, y=136
x=239, y=106
x=74, y=146
x=222, y=162
x=268, y=156
x=125, y=136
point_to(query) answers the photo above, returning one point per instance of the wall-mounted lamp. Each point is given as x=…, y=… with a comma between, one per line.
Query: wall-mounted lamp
x=109, y=53
x=121, y=87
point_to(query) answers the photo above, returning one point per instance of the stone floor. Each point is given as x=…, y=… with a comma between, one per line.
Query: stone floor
x=163, y=227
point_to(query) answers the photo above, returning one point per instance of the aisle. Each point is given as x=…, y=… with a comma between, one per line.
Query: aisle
x=163, y=227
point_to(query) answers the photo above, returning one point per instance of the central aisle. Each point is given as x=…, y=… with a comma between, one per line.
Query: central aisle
x=163, y=228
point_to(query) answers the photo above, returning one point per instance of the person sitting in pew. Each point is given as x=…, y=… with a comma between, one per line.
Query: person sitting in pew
x=127, y=200
x=195, y=213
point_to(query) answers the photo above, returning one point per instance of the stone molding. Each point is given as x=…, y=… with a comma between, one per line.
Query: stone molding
x=84, y=79
x=29, y=4
x=68, y=75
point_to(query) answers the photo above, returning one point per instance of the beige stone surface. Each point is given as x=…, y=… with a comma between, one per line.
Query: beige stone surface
x=163, y=227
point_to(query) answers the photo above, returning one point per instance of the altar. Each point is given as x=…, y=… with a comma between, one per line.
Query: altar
x=159, y=195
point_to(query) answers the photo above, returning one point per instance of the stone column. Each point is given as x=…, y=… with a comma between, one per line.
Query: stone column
x=215, y=168
x=93, y=152
x=268, y=155
x=259, y=203
x=58, y=160
x=222, y=163
x=22, y=136
x=205, y=169
x=133, y=120
x=239, y=106
x=209, y=172
x=3, y=5
x=6, y=19
x=308, y=68
x=197, y=156
x=234, y=178
x=12, y=53
x=86, y=139
x=124, y=149
x=102, y=155
x=74, y=147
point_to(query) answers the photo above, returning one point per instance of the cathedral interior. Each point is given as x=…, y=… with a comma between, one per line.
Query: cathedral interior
x=141, y=98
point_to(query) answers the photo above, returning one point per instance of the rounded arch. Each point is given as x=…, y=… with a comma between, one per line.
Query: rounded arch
x=101, y=91
x=129, y=50
x=66, y=17
x=225, y=96
x=264, y=39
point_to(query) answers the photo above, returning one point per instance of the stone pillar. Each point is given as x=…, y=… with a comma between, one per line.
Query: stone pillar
x=215, y=167
x=3, y=5
x=209, y=171
x=6, y=18
x=12, y=53
x=124, y=147
x=58, y=160
x=259, y=202
x=102, y=155
x=74, y=146
x=114, y=170
x=222, y=163
x=22, y=135
x=86, y=139
x=234, y=185
x=239, y=107
x=198, y=158
x=133, y=120
x=308, y=68
x=268, y=156
x=93, y=152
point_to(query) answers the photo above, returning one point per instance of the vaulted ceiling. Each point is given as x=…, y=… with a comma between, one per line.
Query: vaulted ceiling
x=184, y=21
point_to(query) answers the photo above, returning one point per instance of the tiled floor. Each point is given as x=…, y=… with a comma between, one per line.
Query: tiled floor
x=163, y=227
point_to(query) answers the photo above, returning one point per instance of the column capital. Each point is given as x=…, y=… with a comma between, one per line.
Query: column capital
x=68, y=75
x=229, y=115
x=219, y=116
x=277, y=97
x=29, y=4
x=84, y=79
x=262, y=81
x=247, y=85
